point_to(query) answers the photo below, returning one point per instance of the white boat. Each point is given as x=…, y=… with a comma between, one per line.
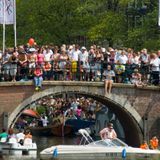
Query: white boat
x=12, y=147
x=98, y=150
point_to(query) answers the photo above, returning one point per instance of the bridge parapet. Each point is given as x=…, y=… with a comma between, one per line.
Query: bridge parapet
x=125, y=100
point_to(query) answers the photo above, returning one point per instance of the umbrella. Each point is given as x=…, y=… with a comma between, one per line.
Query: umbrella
x=30, y=112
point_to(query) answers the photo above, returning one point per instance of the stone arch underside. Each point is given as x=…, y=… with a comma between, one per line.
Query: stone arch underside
x=127, y=115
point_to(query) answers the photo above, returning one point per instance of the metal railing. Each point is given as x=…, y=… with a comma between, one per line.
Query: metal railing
x=78, y=73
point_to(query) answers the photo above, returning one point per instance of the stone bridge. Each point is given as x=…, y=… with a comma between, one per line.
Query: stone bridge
x=138, y=109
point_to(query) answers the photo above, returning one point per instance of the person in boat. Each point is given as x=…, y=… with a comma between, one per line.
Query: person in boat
x=144, y=145
x=28, y=134
x=108, y=132
x=20, y=137
x=11, y=133
x=3, y=135
x=154, y=143
x=44, y=120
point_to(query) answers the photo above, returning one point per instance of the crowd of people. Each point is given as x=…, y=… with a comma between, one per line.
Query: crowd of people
x=55, y=109
x=72, y=62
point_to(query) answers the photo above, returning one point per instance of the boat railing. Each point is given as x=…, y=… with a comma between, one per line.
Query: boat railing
x=86, y=138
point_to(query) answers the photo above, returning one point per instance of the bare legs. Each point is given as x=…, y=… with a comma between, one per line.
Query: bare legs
x=108, y=86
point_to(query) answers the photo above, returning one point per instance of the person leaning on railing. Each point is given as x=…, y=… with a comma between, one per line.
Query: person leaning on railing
x=155, y=68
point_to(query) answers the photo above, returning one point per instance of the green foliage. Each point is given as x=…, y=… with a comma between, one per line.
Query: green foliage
x=41, y=109
x=62, y=21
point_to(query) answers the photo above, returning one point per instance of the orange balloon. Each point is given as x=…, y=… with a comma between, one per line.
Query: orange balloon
x=31, y=41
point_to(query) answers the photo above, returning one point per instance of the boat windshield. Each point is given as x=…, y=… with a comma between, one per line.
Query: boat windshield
x=109, y=143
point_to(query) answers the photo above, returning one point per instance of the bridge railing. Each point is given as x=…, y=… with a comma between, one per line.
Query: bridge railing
x=79, y=72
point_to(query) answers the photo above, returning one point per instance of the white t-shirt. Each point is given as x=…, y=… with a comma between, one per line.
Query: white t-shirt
x=75, y=55
x=20, y=136
x=47, y=56
x=155, y=64
x=123, y=59
x=83, y=56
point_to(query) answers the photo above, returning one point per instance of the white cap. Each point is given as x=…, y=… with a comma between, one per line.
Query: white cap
x=112, y=50
x=84, y=48
x=32, y=50
x=71, y=47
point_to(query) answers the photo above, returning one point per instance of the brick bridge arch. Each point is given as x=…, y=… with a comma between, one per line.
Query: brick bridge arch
x=129, y=118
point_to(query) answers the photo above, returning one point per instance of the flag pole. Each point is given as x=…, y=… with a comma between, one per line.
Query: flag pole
x=159, y=13
x=4, y=26
x=15, y=24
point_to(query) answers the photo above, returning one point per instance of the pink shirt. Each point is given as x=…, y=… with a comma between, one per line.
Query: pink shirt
x=78, y=111
x=40, y=58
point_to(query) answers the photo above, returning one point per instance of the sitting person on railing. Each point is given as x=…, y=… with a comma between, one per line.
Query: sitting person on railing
x=108, y=132
x=38, y=77
x=136, y=78
x=109, y=75
x=3, y=136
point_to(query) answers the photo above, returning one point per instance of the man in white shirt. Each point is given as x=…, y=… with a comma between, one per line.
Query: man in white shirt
x=108, y=132
x=76, y=53
x=75, y=59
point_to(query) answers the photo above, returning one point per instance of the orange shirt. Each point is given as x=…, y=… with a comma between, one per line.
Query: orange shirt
x=47, y=67
x=144, y=146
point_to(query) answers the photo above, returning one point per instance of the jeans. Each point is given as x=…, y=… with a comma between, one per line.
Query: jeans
x=38, y=81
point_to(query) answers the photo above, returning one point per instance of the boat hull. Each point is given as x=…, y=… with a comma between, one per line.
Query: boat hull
x=17, y=149
x=98, y=153
x=61, y=130
x=41, y=131
x=79, y=124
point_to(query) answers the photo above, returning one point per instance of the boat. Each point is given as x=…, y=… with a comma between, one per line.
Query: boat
x=61, y=130
x=41, y=131
x=78, y=123
x=51, y=130
x=12, y=147
x=98, y=150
